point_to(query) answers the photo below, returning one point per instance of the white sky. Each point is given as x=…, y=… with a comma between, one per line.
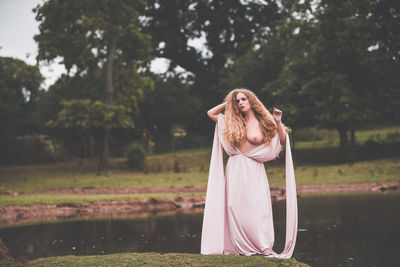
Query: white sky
x=17, y=28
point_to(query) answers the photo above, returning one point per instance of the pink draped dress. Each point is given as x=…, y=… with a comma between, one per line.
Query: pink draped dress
x=238, y=211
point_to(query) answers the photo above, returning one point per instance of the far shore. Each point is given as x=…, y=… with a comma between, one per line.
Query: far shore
x=35, y=213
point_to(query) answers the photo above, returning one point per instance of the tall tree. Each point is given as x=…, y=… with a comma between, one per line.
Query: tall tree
x=265, y=67
x=93, y=34
x=341, y=66
x=169, y=105
x=329, y=70
x=225, y=28
x=19, y=90
x=386, y=16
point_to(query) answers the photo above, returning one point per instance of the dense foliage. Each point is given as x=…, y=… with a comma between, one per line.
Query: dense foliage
x=326, y=63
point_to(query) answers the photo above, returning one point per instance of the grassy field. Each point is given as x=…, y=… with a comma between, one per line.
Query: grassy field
x=156, y=259
x=73, y=175
x=190, y=168
x=31, y=179
x=323, y=138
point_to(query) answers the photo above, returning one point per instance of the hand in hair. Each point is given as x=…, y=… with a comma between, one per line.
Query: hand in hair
x=213, y=113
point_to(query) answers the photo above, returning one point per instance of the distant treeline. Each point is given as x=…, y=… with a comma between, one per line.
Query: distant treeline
x=327, y=63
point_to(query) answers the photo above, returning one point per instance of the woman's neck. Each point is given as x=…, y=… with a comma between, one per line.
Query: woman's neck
x=249, y=115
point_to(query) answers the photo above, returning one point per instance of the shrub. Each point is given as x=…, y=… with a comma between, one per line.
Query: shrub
x=313, y=134
x=393, y=137
x=31, y=149
x=136, y=157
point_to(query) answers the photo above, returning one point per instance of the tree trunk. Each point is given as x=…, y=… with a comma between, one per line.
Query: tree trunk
x=91, y=147
x=353, y=137
x=104, y=164
x=85, y=149
x=344, y=141
x=347, y=153
x=105, y=157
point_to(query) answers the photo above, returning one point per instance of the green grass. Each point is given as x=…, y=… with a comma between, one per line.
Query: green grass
x=156, y=259
x=193, y=171
x=30, y=179
x=359, y=172
x=312, y=138
x=71, y=175
x=45, y=199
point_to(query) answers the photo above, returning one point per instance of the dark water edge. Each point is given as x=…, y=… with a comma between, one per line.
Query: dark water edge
x=347, y=229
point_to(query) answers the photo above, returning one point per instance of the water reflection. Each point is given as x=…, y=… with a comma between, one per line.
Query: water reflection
x=176, y=233
x=350, y=230
x=334, y=230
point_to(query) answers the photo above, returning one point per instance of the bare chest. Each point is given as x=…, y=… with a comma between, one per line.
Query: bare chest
x=253, y=134
x=253, y=139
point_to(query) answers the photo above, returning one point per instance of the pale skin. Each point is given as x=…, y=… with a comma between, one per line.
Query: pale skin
x=252, y=124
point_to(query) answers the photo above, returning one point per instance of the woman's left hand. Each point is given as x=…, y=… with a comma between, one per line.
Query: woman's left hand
x=277, y=115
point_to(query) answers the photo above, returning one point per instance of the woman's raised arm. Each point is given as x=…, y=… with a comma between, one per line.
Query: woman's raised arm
x=281, y=128
x=213, y=113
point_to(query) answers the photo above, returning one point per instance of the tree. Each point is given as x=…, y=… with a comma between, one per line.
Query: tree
x=341, y=66
x=274, y=69
x=19, y=89
x=95, y=35
x=228, y=28
x=169, y=105
x=328, y=73
x=386, y=17
x=19, y=95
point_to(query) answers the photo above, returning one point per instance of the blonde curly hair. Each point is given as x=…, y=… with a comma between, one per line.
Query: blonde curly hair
x=235, y=128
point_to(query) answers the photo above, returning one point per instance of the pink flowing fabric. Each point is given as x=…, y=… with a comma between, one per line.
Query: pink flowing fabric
x=238, y=211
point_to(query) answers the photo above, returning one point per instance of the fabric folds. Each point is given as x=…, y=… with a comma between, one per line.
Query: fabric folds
x=238, y=212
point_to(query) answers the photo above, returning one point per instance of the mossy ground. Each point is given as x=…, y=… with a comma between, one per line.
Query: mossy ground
x=156, y=259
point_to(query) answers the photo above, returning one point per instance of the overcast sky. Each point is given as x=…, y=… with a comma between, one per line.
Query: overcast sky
x=17, y=28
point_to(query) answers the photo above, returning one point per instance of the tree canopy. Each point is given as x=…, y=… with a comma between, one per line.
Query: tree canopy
x=325, y=63
x=97, y=37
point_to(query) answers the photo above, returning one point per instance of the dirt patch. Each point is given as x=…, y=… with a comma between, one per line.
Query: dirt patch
x=15, y=215
x=276, y=191
x=139, y=190
x=381, y=186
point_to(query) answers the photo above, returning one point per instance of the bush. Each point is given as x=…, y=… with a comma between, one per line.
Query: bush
x=393, y=137
x=136, y=157
x=30, y=149
x=313, y=134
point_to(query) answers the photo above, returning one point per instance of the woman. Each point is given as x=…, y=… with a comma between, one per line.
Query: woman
x=238, y=212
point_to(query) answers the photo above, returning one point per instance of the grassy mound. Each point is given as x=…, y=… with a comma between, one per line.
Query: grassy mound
x=156, y=259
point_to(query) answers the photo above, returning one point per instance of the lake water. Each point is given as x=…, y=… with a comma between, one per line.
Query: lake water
x=357, y=229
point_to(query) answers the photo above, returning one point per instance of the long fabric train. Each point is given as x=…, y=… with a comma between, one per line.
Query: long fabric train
x=238, y=212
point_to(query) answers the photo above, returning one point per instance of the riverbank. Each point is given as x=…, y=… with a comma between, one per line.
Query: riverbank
x=37, y=193
x=138, y=201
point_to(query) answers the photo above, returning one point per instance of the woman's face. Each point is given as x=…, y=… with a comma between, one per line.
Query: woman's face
x=242, y=102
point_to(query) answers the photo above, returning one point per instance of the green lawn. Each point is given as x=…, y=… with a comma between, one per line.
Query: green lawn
x=72, y=175
x=324, y=138
x=156, y=259
x=190, y=168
